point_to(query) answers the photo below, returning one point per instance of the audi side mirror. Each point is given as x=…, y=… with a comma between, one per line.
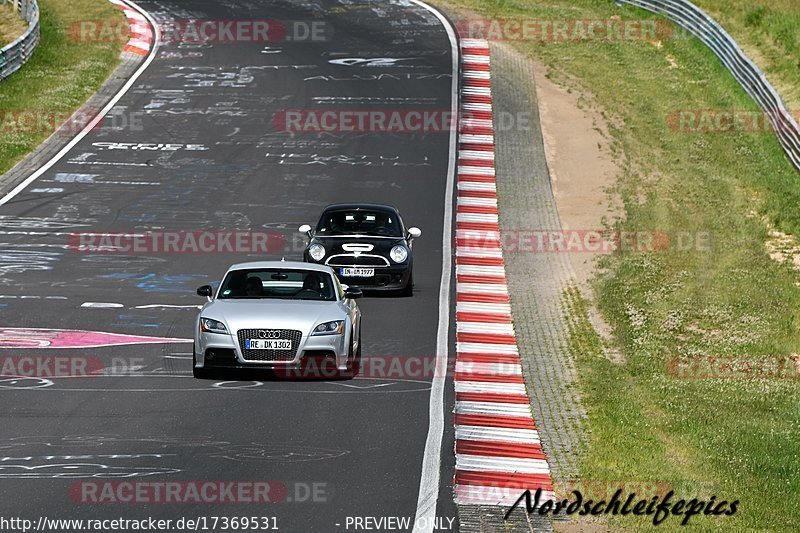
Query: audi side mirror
x=353, y=293
x=205, y=290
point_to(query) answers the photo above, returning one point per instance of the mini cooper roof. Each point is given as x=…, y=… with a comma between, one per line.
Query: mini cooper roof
x=361, y=207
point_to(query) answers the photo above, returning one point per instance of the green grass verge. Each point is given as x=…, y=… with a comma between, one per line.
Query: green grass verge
x=738, y=438
x=769, y=30
x=63, y=73
x=11, y=24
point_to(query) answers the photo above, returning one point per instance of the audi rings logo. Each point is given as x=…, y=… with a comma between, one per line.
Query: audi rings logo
x=268, y=334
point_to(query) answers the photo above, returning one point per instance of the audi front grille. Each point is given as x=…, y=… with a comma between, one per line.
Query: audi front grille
x=270, y=355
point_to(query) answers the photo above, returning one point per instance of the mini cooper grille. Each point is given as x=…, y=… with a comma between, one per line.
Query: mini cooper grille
x=357, y=261
x=270, y=355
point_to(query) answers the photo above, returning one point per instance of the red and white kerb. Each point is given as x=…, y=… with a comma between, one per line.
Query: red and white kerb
x=498, y=453
x=141, y=39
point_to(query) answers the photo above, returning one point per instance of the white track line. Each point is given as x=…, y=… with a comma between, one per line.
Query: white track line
x=424, y=520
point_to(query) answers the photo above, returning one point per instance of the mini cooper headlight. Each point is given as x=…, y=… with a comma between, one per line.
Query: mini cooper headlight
x=209, y=325
x=399, y=254
x=329, y=328
x=316, y=251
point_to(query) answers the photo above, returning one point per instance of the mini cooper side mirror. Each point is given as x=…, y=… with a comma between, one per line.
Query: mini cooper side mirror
x=414, y=233
x=205, y=290
x=305, y=228
x=353, y=293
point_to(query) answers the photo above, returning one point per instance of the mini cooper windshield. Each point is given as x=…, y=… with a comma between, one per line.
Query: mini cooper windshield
x=277, y=284
x=351, y=222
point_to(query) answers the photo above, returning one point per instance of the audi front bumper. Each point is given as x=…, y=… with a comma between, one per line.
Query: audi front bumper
x=214, y=350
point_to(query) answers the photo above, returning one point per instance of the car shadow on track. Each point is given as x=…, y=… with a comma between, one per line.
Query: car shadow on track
x=310, y=371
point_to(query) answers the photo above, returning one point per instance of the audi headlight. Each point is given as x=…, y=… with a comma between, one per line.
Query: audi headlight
x=209, y=325
x=316, y=251
x=399, y=254
x=329, y=328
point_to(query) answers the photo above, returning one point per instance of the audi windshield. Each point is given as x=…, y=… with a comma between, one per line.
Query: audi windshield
x=277, y=284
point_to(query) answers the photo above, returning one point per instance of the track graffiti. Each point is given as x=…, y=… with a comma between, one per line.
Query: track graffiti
x=39, y=338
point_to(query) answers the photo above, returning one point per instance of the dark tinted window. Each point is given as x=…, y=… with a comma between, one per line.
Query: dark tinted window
x=277, y=284
x=348, y=222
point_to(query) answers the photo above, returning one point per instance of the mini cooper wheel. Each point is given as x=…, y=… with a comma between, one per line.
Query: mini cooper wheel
x=408, y=290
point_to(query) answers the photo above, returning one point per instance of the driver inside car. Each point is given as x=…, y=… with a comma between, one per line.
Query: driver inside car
x=254, y=287
x=313, y=282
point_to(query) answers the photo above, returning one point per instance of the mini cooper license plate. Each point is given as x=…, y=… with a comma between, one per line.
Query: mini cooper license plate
x=267, y=344
x=358, y=272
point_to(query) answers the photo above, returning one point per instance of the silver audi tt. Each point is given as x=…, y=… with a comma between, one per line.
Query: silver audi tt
x=278, y=315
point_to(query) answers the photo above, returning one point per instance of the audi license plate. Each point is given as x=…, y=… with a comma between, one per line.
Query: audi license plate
x=267, y=344
x=358, y=272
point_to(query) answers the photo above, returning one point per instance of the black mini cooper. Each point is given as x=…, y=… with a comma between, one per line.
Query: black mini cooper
x=367, y=246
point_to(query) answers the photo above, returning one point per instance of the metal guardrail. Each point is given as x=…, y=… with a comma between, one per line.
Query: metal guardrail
x=701, y=25
x=16, y=54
